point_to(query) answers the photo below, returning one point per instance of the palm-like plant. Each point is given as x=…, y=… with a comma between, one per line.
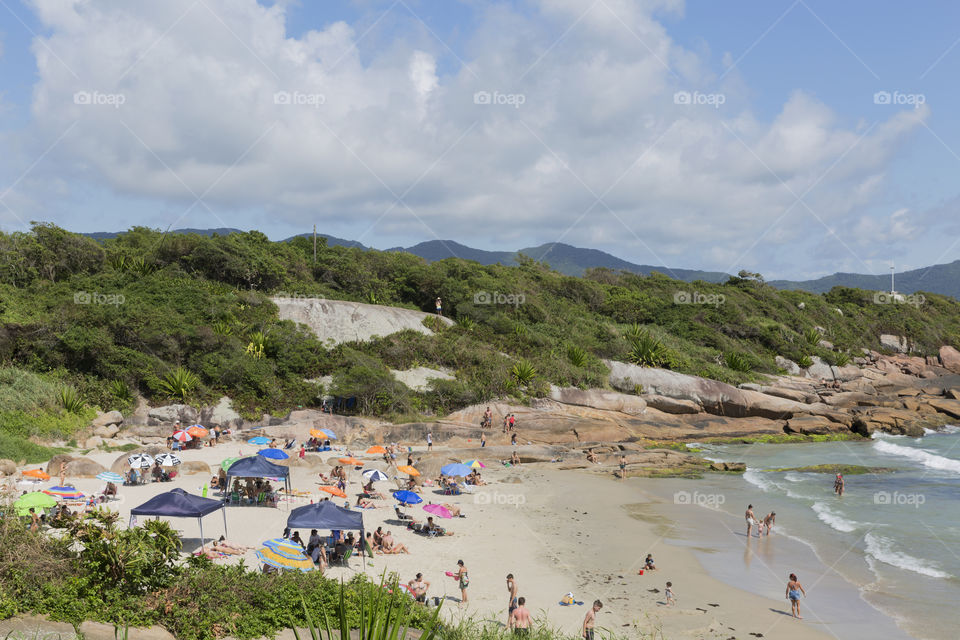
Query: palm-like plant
x=221, y=328
x=842, y=359
x=70, y=399
x=523, y=372
x=645, y=350
x=120, y=390
x=576, y=355
x=737, y=362
x=812, y=337
x=179, y=383
x=805, y=361
x=467, y=323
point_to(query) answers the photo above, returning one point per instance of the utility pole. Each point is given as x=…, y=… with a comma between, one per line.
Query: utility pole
x=892, y=288
x=314, y=244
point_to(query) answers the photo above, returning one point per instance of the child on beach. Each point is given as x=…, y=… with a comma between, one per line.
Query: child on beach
x=670, y=595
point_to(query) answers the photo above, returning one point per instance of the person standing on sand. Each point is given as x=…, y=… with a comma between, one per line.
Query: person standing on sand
x=463, y=580
x=63, y=474
x=429, y=442
x=794, y=589
x=512, y=604
x=483, y=440
x=670, y=595
x=769, y=520
x=590, y=620
x=750, y=520
x=838, y=485
x=623, y=467
x=520, y=619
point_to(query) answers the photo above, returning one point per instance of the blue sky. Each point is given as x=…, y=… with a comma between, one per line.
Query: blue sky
x=599, y=153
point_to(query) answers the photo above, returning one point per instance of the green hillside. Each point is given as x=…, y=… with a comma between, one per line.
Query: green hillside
x=188, y=316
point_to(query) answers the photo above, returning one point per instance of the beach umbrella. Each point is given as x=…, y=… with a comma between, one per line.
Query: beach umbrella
x=228, y=462
x=69, y=493
x=329, y=433
x=37, y=501
x=317, y=433
x=377, y=449
x=270, y=557
x=475, y=464
x=182, y=436
x=198, y=431
x=110, y=476
x=351, y=461
x=407, y=469
x=334, y=491
x=273, y=454
x=140, y=460
x=455, y=469
x=407, y=497
x=285, y=547
x=168, y=460
x=438, y=510
x=375, y=475
x=39, y=474
x=259, y=440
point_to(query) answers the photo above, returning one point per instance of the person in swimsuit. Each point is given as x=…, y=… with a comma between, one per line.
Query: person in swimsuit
x=794, y=589
x=751, y=519
x=670, y=595
x=418, y=588
x=463, y=579
x=623, y=467
x=838, y=485
x=519, y=619
x=590, y=620
x=512, y=605
x=769, y=520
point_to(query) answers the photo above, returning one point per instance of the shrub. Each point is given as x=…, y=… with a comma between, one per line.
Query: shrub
x=737, y=362
x=804, y=361
x=577, y=356
x=523, y=372
x=70, y=400
x=647, y=351
x=179, y=383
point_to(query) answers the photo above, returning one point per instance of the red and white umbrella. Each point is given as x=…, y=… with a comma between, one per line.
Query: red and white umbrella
x=182, y=436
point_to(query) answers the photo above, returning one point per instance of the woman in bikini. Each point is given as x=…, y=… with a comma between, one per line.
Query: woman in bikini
x=463, y=580
x=794, y=589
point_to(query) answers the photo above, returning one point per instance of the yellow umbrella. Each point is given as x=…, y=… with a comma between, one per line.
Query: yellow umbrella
x=316, y=433
x=274, y=559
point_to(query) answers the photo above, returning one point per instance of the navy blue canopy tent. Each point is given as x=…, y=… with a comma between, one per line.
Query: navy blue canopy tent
x=326, y=515
x=257, y=467
x=177, y=503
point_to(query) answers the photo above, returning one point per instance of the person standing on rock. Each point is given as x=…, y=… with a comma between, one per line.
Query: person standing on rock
x=623, y=467
x=487, y=418
x=429, y=441
x=439, y=305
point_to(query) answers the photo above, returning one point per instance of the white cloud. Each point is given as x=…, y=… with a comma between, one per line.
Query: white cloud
x=572, y=115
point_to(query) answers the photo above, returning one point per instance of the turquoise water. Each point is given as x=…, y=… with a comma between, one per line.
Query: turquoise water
x=892, y=540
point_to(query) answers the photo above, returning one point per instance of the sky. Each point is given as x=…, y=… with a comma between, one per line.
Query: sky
x=795, y=138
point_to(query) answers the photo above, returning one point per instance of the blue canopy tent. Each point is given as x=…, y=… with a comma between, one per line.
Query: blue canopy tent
x=257, y=467
x=326, y=515
x=177, y=503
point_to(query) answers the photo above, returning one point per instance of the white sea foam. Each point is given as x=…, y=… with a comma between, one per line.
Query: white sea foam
x=927, y=459
x=882, y=549
x=760, y=479
x=793, y=476
x=834, y=519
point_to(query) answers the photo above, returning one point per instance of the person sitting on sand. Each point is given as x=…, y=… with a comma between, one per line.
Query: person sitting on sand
x=371, y=492
x=390, y=546
x=648, y=564
x=363, y=503
x=412, y=486
x=453, y=509
x=296, y=538
x=214, y=482
x=515, y=459
x=110, y=490
x=319, y=555
x=435, y=528
x=418, y=588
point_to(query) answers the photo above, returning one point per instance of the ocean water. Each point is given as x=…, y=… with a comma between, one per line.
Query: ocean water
x=892, y=541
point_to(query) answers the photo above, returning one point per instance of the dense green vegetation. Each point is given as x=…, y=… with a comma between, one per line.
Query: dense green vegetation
x=188, y=317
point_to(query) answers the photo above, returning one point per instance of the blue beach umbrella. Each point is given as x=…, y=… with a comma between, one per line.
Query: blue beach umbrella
x=273, y=454
x=284, y=547
x=455, y=469
x=110, y=476
x=270, y=557
x=375, y=475
x=330, y=433
x=259, y=440
x=407, y=497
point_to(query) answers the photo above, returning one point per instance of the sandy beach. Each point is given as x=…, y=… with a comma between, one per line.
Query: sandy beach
x=556, y=531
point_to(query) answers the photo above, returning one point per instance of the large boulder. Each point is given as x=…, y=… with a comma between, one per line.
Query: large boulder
x=813, y=425
x=676, y=406
x=599, y=399
x=92, y=442
x=107, y=419
x=221, y=414
x=8, y=467
x=791, y=367
x=194, y=466
x=53, y=466
x=945, y=405
x=419, y=378
x=106, y=431
x=820, y=369
x=950, y=358
x=84, y=468
x=898, y=344
x=172, y=413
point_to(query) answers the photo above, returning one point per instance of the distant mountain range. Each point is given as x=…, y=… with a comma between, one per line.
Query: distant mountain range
x=942, y=278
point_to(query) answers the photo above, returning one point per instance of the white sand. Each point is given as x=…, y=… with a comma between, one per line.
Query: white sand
x=556, y=531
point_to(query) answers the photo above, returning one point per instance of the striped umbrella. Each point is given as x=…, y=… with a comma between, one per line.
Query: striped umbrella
x=168, y=460
x=274, y=454
x=182, y=436
x=140, y=460
x=329, y=433
x=284, y=547
x=375, y=475
x=69, y=493
x=110, y=476
x=272, y=558
x=198, y=431
x=475, y=464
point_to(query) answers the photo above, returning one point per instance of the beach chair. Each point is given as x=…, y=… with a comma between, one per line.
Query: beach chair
x=452, y=489
x=346, y=557
x=401, y=515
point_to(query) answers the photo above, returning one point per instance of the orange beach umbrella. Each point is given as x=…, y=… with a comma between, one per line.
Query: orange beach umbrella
x=316, y=433
x=334, y=491
x=37, y=473
x=198, y=431
x=376, y=449
x=407, y=469
x=351, y=461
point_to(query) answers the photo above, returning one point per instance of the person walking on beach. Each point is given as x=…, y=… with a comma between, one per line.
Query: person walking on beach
x=463, y=580
x=429, y=442
x=750, y=520
x=512, y=604
x=590, y=621
x=838, y=485
x=794, y=589
x=670, y=595
x=483, y=440
x=769, y=520
x=520, y=619
x=623, y=467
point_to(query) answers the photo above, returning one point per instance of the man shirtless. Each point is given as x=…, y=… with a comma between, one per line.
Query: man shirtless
x=512, y=604
x=751, y=520
x=520, y=619
x=590, y=620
